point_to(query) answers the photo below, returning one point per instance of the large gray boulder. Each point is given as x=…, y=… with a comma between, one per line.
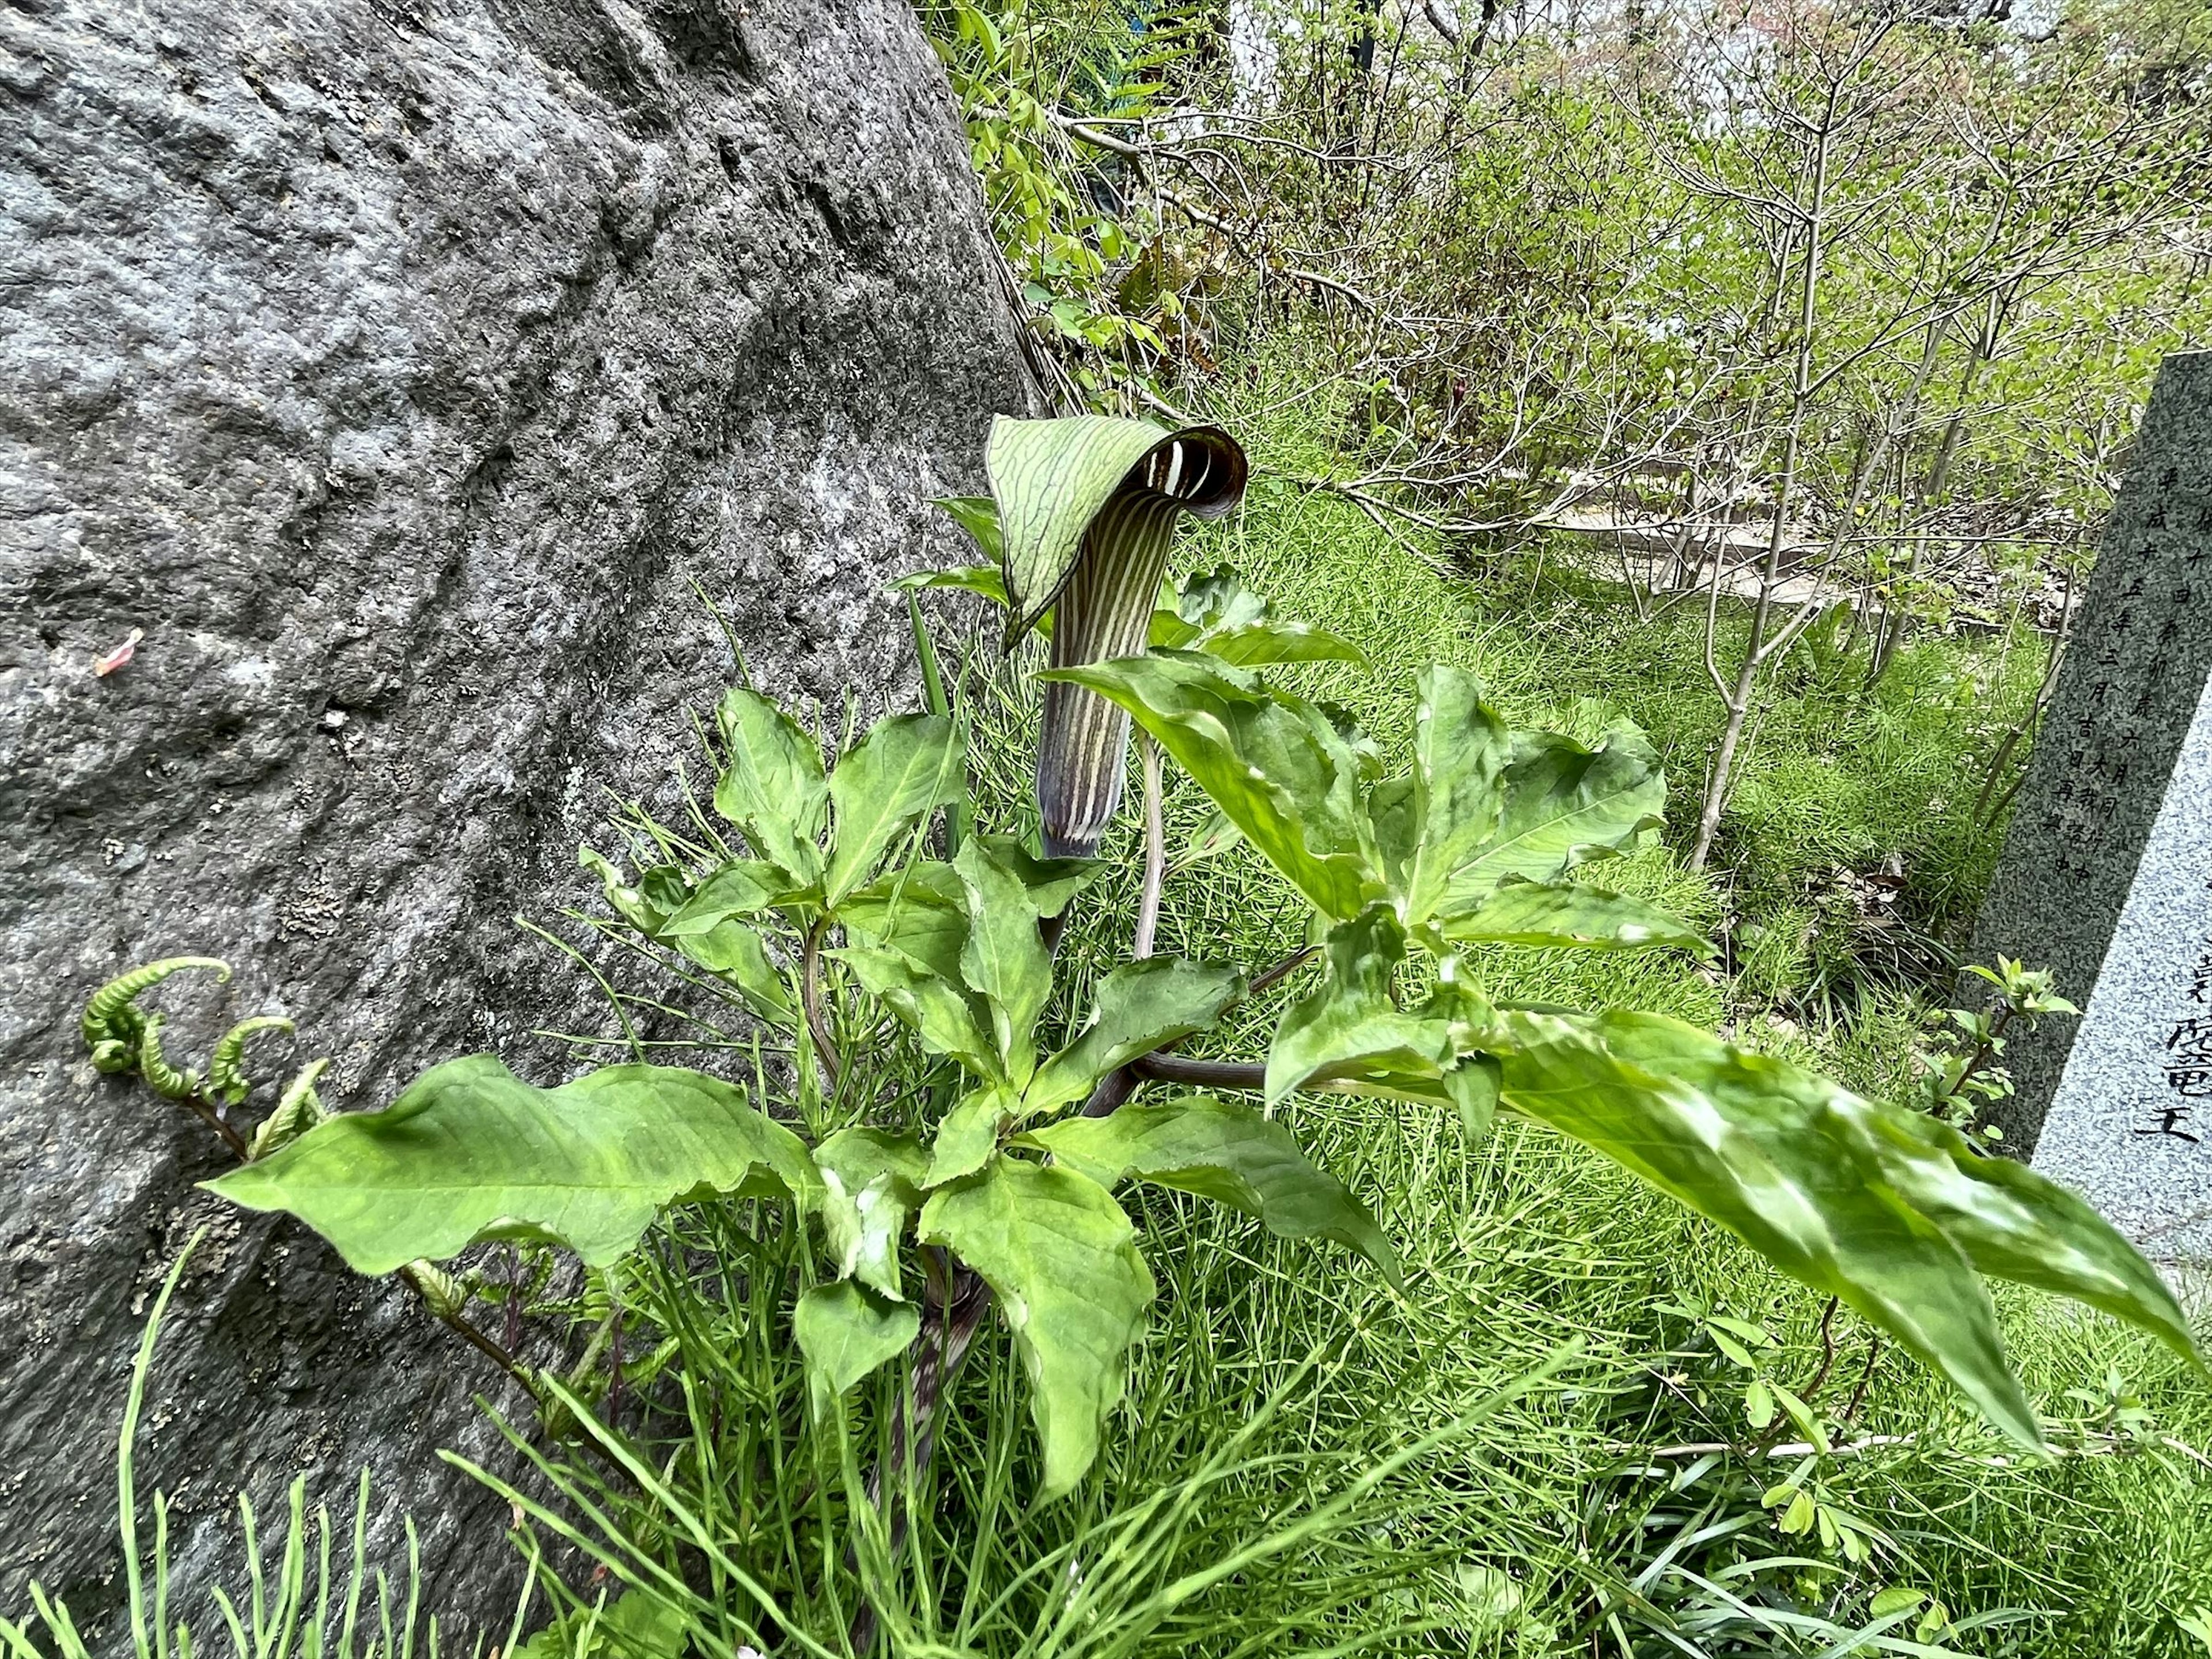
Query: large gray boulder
x=397, y=366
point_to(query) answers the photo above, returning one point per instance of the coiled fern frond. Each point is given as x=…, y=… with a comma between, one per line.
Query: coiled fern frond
x=113, y=1026
x=227, y=1066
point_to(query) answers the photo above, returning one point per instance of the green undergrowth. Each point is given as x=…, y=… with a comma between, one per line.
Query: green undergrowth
x=1554, y=1527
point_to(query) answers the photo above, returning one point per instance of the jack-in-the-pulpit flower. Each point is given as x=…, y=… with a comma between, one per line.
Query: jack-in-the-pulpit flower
x=1087, y=507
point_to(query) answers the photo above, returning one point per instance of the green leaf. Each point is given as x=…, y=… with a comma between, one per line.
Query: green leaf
x=968, y=1136
x=1004, y=960
x=2016, y=1224
x=872, y=1182
x=1062, y=1258
x=1138, y=1006
x=846, y=1334
x=1218, y=614
x=628, y=902
x=939, y=1013
x=470, y=1151
x=1563, y=804
x=979, y=516
x=903, y=769
x=743, y=887
x=921, y=912
x=1272, y=763
x=1786, y=1161
x=1349, y=1032
x=1569, y=916
x=1457, y=794
x=985, y=580
x=1264, y=643
x=734, y=952
x=1052, y=478
x=772, y=786
x=1228, y=1153
x=1051, y=882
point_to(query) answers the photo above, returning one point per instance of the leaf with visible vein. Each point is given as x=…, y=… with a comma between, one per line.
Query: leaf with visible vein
x=1563, y=804
x=1138, y=1007
x=903, y=769
x=1062, y=1258
x=1784, y=1160
x=771, y=786
x=937, y=1011
x=1228, y=1153
x=1457, y=793
x=743, y=887
x=968, y=1134
x=1348, y=1031
x=1004, y=960
x=1271, y=765
x=734, y=953
x=846, y=1334
x=872, y=1182
x=469, y=1151
x=921, y=912
x=1567, y=915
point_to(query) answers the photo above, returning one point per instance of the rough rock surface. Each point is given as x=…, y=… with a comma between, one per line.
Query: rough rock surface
x=396, y=366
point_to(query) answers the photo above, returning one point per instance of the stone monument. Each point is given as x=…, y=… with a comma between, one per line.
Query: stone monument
x=2106, y=877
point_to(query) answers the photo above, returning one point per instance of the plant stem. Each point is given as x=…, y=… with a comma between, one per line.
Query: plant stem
x=940, y=1352
x=1156, y=852
x=211, y=1114
x=818, y=1017
x=1201, y=1073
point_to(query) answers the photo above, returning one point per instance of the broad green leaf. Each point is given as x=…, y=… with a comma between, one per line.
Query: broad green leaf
x=1051, y=882
x=1138, y=1006
x=903, y=769
x=937, y=1011
x=979, y=516
x=470, y=1151
x=772, y=786
x=2015, y=1223
x=968, y=1135
x=1004, y=960
x=1218, y=614
x=1262, y=643
x=1785, y=1161
x=921, y=912
x=846, y=1334
x=1062, y=1258
x=871, y=1183
x=1349, y=1032
x=1270, y=764
x=734, y=952
x=1566, y=915
x=743, y=887
x=1228, y=1153
x=1052, y=478
x=1564, y=803
x=1460, y=754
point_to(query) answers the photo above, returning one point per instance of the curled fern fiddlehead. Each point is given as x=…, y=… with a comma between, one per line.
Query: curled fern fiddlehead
x=113, y=1028
x=226, y=1068
x=169, y=1082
